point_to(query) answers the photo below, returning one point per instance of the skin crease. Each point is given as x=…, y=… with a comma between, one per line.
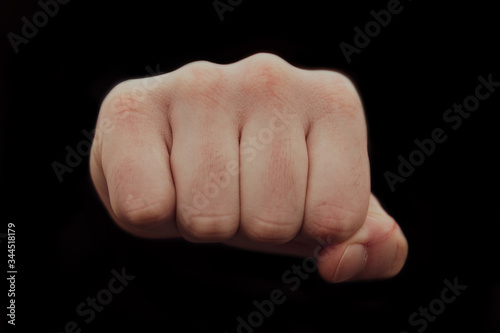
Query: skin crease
x=256, y=154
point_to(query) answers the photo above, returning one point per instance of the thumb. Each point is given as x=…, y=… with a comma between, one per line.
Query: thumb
x=377, y=250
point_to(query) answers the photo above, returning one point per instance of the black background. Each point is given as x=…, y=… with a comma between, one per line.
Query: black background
x=428, y=58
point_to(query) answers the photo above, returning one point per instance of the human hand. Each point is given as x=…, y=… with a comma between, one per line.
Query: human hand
x=256, y=154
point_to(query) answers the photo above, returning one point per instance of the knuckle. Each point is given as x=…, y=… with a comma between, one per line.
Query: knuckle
x=127, y=100
x=265, y=74
x=141, y=214
x=200, y=81
x=333, y=222
x=210, y=227
x=335, y=94
x=266, y=230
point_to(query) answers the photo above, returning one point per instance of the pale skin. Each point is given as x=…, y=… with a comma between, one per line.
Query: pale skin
x=257, y=154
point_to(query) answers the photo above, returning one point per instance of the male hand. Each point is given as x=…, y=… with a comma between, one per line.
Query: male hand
x=256, y=154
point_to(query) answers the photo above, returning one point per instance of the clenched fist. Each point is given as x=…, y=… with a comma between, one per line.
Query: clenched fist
x=256, y=154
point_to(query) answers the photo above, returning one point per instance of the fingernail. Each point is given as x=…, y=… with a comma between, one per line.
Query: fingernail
x=351, y=264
